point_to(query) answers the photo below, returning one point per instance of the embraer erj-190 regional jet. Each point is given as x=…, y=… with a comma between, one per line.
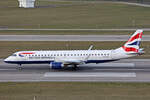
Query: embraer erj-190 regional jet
x=64, y=58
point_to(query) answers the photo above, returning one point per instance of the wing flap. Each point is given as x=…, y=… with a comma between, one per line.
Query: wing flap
x=71, y=61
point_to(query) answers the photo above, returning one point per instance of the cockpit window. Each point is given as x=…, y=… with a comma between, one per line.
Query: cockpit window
x=14, y=55
x=21, y=55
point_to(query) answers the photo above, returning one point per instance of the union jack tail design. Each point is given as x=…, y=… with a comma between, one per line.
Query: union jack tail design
x=132, y=45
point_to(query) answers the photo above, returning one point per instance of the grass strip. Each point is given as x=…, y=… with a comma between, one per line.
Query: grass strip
x=74, y=91
x=69, y=32
x=57, y=14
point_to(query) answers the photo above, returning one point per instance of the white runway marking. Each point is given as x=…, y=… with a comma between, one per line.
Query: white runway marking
x=88, y=74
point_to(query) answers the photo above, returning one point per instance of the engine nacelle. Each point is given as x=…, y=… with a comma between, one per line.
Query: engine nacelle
x=141, y=51
x=56, y=65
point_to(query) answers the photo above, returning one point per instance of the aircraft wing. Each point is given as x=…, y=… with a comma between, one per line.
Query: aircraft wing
x=71, y=61
x=74, y=61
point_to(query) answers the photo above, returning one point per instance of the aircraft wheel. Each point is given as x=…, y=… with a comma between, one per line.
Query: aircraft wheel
x=19, y=67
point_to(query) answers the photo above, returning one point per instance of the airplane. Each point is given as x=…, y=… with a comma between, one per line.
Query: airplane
x=64, y=58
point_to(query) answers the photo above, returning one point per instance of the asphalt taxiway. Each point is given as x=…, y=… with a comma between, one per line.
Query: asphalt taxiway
x=127, y=70
x=68, y=38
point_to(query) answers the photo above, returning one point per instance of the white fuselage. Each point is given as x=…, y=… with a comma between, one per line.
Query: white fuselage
x=86, y=56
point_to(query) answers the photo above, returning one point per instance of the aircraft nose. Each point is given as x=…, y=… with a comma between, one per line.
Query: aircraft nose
x=6, y=60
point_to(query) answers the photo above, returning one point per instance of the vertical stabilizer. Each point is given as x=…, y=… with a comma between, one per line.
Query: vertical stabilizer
x=130, y=48
x=133, y=44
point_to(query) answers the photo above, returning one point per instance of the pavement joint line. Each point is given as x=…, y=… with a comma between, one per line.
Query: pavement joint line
x=7, y=69
x=113, y=65
x=120, y=69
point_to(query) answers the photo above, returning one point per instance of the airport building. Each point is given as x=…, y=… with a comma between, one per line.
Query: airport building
x=27, y=3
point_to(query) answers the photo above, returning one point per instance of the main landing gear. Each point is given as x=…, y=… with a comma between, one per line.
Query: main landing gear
x=19, y=67
x=75, y=67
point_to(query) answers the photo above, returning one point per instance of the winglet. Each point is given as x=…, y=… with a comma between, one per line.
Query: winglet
x=90, y=48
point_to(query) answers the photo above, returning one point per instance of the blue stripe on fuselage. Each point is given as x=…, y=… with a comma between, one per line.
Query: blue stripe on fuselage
x=28, y=62
x=47, y=62
x=99, y=61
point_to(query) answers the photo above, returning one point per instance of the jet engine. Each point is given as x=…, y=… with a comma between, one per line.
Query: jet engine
x=141, y=51
x=56, y=65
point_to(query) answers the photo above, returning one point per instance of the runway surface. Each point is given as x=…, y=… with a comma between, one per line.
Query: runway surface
x=127, y=70
x=68, y=38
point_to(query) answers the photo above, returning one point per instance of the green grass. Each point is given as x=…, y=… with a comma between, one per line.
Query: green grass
x=144, y=1
x=69, y=32
x=73, y=15
x=74, y=91
x=7, y=48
